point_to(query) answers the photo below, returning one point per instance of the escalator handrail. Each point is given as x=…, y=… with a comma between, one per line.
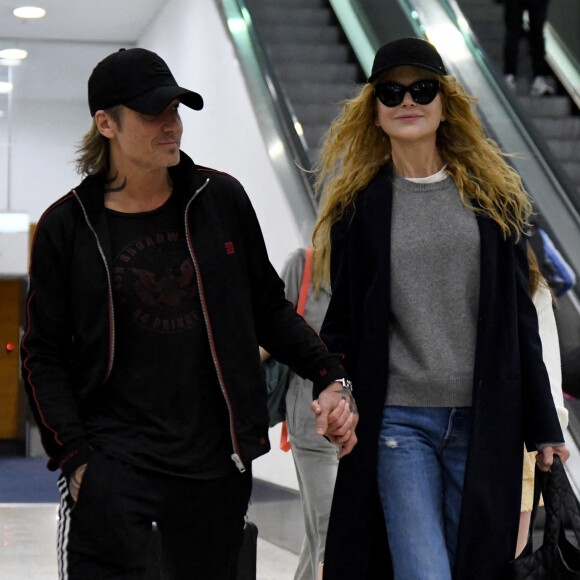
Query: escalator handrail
x=563, y=64
x=284, y=109
x=526, y=127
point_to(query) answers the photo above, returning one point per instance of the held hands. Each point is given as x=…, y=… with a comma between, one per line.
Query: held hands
x=545, y=457
x=337, y=416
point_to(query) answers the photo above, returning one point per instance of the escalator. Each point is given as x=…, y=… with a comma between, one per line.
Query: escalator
x=317, y=52
x=556, y=118
x=313, y=61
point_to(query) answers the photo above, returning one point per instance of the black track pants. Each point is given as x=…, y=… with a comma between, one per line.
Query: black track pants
x=108, y=532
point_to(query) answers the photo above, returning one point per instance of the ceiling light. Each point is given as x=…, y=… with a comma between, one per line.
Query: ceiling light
x=5, y=87
x=29, y=12
x=13, y=54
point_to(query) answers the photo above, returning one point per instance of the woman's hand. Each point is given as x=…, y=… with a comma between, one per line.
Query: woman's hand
x=545, y=457
x=337, y=416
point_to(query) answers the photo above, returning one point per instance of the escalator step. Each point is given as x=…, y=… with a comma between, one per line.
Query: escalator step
x=547, y=106
x=327, y=72
x=283, y=33
x=566, y=150
x=282, y=14
x=328, y=92
x=308, y=53
x=559, y=128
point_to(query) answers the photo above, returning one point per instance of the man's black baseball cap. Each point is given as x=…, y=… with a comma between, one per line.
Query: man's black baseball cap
x=138, y=79
x=407, y=51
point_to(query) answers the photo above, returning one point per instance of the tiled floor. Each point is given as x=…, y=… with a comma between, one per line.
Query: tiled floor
x=27, y=548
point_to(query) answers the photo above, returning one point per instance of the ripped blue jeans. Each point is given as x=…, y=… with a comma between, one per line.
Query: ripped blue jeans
x=421, y=466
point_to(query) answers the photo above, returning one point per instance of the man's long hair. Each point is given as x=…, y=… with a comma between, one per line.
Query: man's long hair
x=93, y=154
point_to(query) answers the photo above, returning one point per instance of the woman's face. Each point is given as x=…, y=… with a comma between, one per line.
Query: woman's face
x=409, y=122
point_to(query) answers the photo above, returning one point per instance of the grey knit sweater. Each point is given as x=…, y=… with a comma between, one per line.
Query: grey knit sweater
x=435, y=270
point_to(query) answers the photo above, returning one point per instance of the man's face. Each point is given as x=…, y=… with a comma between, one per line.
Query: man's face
x=147, y=142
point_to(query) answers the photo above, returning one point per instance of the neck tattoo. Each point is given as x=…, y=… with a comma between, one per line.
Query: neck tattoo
x=109, y=189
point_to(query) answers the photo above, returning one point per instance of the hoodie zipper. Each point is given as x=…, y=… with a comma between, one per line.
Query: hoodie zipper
x=236, y=457
x=109, y=289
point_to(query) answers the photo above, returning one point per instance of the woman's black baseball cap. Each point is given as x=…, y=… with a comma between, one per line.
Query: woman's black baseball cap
x=407, y=51
x=138, y=79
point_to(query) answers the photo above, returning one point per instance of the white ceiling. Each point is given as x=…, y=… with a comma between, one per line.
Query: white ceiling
x=65, y=45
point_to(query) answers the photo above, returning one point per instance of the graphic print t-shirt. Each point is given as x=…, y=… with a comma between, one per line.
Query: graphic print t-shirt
x=162, y=407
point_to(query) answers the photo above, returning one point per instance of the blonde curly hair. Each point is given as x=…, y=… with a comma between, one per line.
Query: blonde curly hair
x=355, y=148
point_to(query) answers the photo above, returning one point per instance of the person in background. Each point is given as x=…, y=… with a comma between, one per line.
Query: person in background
x=315, y=458
x=423, y=222
x=543, y=301
x=150, y=291
x=543, y=82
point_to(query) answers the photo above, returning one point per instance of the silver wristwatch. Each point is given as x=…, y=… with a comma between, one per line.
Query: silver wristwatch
x=345, y=383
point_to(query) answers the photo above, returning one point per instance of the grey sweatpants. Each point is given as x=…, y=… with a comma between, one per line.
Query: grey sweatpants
x=316, y=464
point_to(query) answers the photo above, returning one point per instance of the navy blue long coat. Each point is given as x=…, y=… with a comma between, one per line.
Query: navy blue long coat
x=512, y=402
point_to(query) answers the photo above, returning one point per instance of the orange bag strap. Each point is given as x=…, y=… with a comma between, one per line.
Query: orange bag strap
x=302, y=296
x=284, y=441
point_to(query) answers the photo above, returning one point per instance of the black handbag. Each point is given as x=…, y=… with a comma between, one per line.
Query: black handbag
x=277, y=381
x=557, y=558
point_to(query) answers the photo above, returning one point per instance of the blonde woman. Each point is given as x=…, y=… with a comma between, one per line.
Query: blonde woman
x=421, y=222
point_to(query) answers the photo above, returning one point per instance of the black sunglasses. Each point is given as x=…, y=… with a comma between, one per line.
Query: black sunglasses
x=392, y=94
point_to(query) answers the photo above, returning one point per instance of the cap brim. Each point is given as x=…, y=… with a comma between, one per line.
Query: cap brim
x=156, y=100
x=385, y=68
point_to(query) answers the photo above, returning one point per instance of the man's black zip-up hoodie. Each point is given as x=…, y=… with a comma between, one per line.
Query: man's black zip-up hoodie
x=68, y=349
